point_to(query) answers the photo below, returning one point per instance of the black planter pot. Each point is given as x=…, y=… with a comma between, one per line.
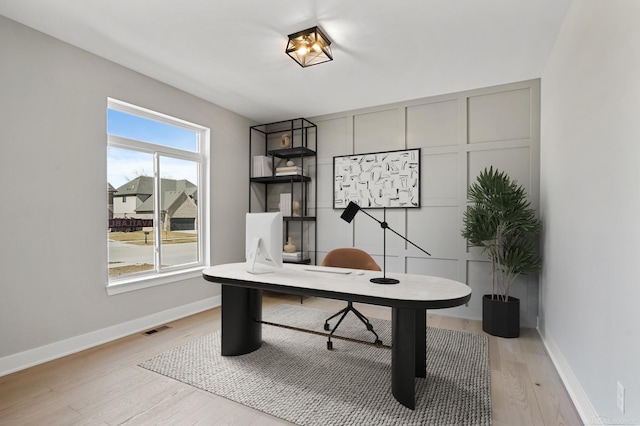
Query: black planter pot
x=501, y=318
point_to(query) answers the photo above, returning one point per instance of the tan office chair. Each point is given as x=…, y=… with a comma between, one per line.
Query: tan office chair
x=355, y=259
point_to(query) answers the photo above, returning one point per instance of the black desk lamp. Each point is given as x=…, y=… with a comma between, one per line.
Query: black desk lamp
x=349, y=213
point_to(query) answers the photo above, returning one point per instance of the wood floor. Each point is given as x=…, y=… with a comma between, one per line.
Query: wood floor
x=104, y=385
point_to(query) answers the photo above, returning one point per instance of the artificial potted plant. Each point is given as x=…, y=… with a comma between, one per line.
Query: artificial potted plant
x=500, y=219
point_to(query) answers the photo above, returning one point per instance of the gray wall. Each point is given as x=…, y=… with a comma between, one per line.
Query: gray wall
x=459, y=134
x=53, y=165
x=590, y=153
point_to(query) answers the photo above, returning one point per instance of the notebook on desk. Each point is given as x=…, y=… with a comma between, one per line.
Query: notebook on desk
x=327, y=269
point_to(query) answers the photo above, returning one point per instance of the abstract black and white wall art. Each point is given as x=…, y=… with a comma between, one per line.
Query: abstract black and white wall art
x=383, y=179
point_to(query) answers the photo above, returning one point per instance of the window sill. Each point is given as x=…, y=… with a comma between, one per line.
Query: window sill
x=140, y=283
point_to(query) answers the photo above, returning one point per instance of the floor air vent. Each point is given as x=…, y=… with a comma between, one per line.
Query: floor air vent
x=156, y=330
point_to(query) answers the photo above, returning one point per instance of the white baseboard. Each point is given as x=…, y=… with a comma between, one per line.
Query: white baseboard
x=39, y=355
x=587, y=413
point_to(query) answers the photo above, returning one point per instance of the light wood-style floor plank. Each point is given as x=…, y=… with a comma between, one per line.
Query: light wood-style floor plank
x=104, y=386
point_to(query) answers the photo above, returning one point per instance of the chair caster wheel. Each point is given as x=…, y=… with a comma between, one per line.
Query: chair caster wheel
x=326, y=326
x=369, y=327
x=330, y=345
x=378, y=342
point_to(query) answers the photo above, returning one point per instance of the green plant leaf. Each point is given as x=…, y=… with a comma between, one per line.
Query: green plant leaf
x=500, y=220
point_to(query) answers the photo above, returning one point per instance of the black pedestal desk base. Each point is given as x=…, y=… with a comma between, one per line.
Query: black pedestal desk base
x=242, y=334
x=241, y=320
x=408, y=353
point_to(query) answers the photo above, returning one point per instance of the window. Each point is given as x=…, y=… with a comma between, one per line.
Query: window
x=156, y=168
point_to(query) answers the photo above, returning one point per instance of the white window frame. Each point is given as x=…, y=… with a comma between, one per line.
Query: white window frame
x=117, y=285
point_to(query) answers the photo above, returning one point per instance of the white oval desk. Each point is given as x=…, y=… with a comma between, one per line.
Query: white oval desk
x=242, y=309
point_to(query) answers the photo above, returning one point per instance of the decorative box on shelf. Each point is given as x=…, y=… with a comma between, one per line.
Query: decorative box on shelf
x=285, y=204
x=262, y=166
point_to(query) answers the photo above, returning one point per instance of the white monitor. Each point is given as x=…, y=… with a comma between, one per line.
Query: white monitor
x=263, y=242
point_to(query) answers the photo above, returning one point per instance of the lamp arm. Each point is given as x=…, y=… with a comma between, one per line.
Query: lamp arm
x=374, y=218
x=385, y=225
x=409, y=241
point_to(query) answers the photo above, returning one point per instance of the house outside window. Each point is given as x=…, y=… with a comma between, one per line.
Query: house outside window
x=156, y=169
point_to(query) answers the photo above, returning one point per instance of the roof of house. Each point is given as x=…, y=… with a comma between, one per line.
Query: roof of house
x=139, y=185
x=143, y=185
x=168, y=199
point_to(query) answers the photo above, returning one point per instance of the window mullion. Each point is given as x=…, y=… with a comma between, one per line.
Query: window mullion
x=157, y=212
x=199, y=224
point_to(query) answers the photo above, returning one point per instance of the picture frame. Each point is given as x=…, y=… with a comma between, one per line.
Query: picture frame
x=389, y=179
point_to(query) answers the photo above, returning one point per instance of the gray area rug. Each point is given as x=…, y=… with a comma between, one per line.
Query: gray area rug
x=294, y=377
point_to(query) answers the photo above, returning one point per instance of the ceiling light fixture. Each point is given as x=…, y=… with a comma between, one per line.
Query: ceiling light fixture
x=309, y=47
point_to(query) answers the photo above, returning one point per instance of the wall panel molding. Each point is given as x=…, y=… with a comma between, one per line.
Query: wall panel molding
x=458, y=134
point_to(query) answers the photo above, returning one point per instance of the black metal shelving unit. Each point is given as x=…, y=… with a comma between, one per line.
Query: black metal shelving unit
x=264, y=191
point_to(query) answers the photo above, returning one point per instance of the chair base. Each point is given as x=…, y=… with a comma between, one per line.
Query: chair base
x=344, y=313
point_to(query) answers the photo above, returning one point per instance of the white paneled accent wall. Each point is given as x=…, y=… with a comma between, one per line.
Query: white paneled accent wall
x=459, y=135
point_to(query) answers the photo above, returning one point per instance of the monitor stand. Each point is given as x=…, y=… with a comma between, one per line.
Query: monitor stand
x=252, y=266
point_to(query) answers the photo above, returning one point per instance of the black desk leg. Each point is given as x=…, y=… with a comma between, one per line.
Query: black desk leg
x=241, y=316
x=403, y=356
x=421, y=343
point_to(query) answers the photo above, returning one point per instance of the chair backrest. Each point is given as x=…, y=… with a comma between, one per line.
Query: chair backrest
x=349, y=257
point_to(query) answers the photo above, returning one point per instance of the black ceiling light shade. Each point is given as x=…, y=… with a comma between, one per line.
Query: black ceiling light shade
x=309, y=47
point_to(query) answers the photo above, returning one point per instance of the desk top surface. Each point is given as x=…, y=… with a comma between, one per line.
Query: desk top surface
x=413, y=290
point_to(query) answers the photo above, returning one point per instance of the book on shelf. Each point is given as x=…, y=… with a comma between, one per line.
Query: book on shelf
x=290, y=174
x=295, y=256
x=290, y=170
x=262, y=166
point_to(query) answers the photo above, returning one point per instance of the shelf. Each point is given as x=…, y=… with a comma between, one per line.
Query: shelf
x=296, y=124
x=292, y=152
x=265, y=191
x=281, y=179
x=299, y=218
x=298, y=262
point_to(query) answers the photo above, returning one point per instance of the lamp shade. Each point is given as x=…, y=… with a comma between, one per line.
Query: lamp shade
x=309, y=47
x=349, y=213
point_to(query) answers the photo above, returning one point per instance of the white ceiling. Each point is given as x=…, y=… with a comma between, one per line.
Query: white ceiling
x=231, y=52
